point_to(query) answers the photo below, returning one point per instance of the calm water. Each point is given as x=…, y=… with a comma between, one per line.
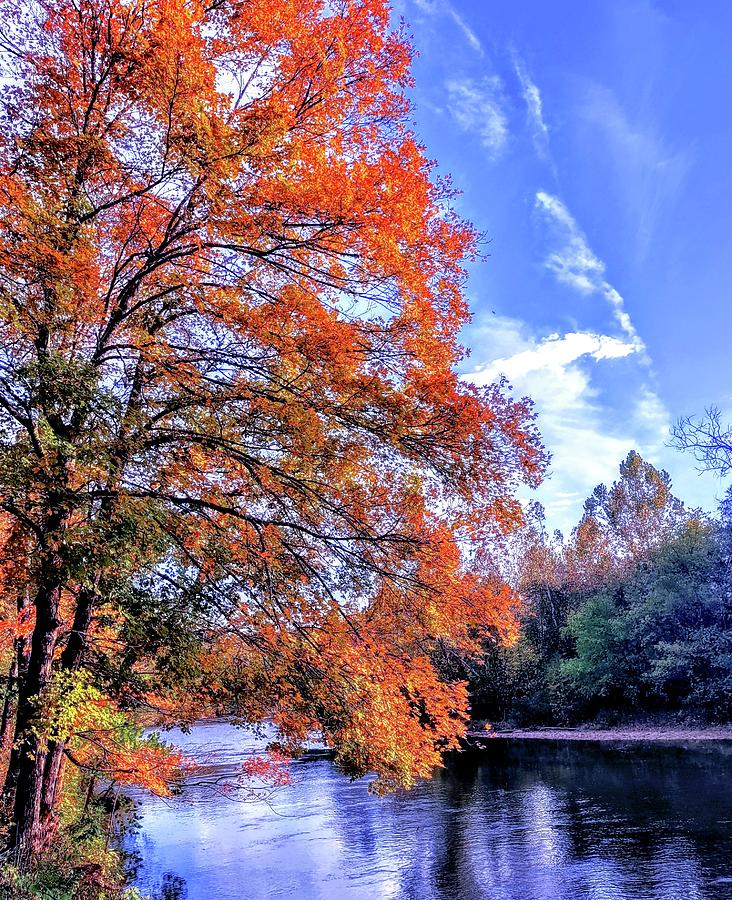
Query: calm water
x=526, y=821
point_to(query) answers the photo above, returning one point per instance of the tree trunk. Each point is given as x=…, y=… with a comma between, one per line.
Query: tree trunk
x=35, y=772
x=71, y=659
x=30, y=830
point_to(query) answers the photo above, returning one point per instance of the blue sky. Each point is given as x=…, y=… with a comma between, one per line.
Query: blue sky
x=592, y=144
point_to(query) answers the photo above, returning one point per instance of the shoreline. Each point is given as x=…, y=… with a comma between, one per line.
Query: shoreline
x=637, y=734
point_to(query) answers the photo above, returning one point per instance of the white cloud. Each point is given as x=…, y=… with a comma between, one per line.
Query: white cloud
x=651, y=413
x=587, y=432
x=477, y=107
x=556, y=353
x=574, y=263
x=584, y=430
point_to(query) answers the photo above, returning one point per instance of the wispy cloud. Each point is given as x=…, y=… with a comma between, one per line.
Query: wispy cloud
x=438, y=7
x=650, y=412
x=649, y=172
x=470, y=36
x=534, y=106
x=574, y=263
x=477, y=107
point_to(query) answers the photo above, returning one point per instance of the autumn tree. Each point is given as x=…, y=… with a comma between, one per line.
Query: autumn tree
x=229, y=299
x=635, y=515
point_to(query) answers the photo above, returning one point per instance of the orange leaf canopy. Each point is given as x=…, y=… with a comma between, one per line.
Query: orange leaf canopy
x=230, y=293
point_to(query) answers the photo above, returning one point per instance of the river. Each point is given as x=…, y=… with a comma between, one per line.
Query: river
x=526, y=820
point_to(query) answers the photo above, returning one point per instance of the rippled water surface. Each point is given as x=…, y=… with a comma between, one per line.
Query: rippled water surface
x=526, y=821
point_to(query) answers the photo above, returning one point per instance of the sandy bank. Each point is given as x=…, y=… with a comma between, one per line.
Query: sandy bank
x=639, y=733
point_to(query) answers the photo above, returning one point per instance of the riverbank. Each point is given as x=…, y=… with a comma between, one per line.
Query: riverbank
x=645, y=734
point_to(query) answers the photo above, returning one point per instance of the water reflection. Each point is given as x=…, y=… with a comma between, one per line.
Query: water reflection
x=527, y=821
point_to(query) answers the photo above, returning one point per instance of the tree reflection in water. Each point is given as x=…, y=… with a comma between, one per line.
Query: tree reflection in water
x=524, y=821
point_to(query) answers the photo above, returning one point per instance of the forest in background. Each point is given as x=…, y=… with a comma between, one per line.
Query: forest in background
x=627, y=619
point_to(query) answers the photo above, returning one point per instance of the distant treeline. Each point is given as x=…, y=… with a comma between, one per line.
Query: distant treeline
x=629, y=617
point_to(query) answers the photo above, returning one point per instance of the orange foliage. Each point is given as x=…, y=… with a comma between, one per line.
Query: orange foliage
x=153, y=768
x=271, y=769
x=20, y=626
x=239, y=290
x=17, y=618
